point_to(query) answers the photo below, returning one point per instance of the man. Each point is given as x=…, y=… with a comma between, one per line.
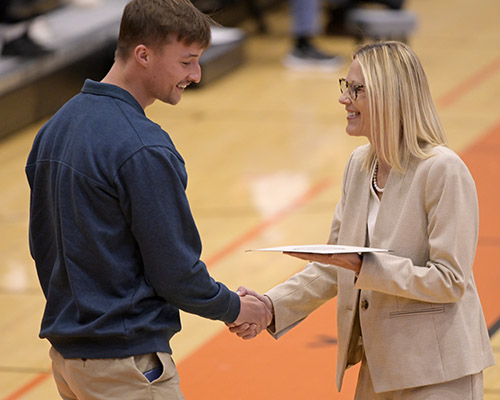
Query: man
x=111, y=232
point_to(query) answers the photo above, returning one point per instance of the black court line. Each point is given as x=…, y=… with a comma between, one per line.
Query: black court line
x=494, y=328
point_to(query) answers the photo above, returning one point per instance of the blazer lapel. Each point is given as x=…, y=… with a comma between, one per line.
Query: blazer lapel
x=397, y=187
x=356, y=212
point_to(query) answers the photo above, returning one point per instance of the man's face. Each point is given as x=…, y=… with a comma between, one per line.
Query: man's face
x=172, y=68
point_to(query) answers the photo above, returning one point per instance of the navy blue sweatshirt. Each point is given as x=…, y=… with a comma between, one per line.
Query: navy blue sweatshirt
x=115, y=245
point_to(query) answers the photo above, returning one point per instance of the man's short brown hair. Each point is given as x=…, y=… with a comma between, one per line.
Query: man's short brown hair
x=152, y=23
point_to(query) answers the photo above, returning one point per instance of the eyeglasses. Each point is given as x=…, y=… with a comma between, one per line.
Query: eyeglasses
x=353, y=88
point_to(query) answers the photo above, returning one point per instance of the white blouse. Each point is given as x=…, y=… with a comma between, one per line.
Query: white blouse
x=373, y=207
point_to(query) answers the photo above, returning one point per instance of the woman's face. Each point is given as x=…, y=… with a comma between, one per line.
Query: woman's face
x=358, y=114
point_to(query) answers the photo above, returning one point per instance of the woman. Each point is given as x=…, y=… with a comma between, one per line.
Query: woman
x=411, y=316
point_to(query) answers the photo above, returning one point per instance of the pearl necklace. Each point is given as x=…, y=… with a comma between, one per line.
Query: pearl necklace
x=374, y=180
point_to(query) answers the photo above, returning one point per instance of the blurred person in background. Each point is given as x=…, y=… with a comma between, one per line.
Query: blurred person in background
x=306, y=24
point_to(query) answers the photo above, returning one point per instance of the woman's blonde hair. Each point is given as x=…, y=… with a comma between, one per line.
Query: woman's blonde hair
x=404, y=121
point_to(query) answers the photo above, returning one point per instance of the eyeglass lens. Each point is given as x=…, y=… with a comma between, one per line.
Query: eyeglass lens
x=345, y=84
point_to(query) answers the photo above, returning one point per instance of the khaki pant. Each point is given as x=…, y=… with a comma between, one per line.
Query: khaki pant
x=466, y=388
x=115, y=379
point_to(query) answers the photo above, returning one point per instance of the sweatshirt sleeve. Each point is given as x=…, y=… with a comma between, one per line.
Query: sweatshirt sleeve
x=152, y=185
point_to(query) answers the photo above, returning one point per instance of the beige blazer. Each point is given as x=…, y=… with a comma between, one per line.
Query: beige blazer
x=418, y=306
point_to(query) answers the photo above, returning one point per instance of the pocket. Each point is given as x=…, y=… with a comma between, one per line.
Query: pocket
x=169, y=368
x=149, y=365
x=434, y=309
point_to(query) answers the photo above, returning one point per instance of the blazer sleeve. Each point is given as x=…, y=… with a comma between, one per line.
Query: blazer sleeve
x=300, y=295
x=450, y=208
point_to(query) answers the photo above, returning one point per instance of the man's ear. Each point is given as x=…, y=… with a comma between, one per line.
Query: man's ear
x=142, y=54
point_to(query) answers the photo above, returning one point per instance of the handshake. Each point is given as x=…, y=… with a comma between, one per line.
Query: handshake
x=256, y=314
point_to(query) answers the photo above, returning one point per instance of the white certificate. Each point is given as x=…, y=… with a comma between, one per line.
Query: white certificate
x=322, y=249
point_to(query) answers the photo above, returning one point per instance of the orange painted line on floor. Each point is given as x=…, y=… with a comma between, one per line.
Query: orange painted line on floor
x=468, y=84
x=261, y=227
x=37, y=380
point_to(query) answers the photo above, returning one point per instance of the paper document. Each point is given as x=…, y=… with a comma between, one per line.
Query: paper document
x=322, y=249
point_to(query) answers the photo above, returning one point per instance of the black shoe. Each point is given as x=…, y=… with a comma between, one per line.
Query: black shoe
x=25, y=47
x=310, y=58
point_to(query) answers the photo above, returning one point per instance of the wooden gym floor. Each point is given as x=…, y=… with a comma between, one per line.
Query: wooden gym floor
x=265, y=149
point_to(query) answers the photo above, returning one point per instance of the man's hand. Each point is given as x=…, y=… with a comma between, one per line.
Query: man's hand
x=255, y=314
x=243, y=291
